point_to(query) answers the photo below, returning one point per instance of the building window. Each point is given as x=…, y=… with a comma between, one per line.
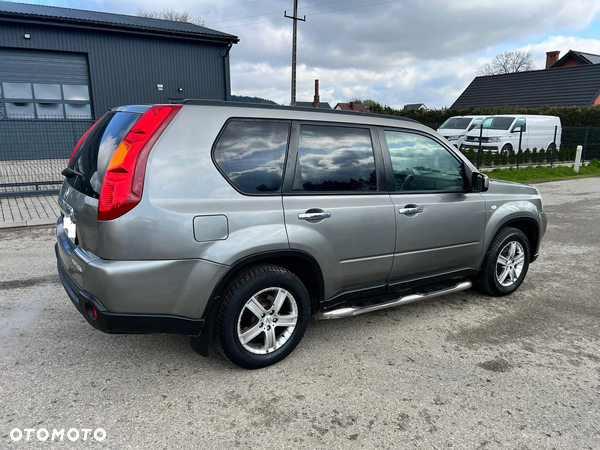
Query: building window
x=44, y=101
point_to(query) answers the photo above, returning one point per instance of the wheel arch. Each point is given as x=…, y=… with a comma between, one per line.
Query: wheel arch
x=529, y=227
x=300, y=263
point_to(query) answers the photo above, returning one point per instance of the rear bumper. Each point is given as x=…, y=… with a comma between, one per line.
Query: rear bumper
x=111, y=322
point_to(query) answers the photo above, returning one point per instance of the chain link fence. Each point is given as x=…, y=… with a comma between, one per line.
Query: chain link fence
x=33, y=152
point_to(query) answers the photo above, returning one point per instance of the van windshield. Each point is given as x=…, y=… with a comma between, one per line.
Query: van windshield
x=498, y=123
x=456, y=123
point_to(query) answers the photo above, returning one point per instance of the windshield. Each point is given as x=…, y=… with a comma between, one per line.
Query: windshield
x=498, y=123
x=456, y=123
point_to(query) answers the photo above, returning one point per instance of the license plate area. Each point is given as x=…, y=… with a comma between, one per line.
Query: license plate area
x=69, y=227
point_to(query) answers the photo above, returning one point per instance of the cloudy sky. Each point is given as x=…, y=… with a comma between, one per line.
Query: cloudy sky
x=394, y=52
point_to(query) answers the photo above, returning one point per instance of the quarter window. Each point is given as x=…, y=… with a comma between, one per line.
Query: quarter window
x=251, y=155
x=335, y=159
x=421, y=164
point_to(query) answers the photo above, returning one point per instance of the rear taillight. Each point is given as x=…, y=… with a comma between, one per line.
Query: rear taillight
x=124, y=179
x=82, y=139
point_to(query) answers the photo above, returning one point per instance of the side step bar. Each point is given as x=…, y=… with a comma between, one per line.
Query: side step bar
x=349, y=311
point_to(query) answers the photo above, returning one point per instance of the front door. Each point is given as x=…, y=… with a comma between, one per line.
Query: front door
x=439, y=224
x=336, y=208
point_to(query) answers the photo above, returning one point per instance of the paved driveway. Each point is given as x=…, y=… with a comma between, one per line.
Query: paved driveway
x=462, y=371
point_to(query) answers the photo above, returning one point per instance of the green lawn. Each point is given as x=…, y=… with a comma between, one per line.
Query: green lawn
x=540, y=173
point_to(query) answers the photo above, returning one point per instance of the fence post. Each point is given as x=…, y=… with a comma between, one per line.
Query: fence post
x=577, y=159
x=553, y=147
x=519, y=152
x=479, y=152
x=587, y=129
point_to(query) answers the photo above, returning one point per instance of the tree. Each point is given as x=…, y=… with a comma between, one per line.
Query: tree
x=171, y=14
x=508, y=62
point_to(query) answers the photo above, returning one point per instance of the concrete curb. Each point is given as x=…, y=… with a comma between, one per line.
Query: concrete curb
x=27, y=223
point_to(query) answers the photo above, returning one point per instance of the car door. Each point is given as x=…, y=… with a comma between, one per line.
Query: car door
x=522, y=138
x=439, y=223
x=337, y=208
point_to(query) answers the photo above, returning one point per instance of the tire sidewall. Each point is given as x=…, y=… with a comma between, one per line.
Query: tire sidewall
x=236, y=351
x=517, y=236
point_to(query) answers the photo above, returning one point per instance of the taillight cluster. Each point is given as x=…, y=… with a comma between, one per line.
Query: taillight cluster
x=124, y=179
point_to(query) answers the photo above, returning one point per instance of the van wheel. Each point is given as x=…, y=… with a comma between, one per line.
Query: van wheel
x=506, y=263
x=506, y=148
x=263, y=316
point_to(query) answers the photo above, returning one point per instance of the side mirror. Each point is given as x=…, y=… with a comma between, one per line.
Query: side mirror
x=480, y=182
x=516, y=130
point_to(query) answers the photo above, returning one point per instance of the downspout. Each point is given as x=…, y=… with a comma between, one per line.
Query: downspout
x=227, y=81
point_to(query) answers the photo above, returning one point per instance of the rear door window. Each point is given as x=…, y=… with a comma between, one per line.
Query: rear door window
x=251, y=154
x=335, y=159
x=94, y=153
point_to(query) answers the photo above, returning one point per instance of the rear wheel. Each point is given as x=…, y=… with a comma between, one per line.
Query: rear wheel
x=506, y=263
x=264, y=314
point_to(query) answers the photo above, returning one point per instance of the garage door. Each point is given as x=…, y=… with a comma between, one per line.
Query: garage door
x=38, y=84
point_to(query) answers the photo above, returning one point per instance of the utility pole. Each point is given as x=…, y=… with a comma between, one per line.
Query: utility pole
x=295, y=18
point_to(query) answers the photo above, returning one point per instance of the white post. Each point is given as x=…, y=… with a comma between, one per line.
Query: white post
x=578, y=158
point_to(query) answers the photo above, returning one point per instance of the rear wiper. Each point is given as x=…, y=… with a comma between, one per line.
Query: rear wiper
x=68, y=172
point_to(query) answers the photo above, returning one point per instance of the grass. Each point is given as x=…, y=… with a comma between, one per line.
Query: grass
x=540, y=173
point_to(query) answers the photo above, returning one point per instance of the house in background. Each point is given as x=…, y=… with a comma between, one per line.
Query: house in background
x=573, y=80
x=415, y=107
x=352, y=106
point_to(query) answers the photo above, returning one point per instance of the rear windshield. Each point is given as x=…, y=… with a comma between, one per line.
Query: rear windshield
x=455, y=123
x=94, y=153
x=498, y=123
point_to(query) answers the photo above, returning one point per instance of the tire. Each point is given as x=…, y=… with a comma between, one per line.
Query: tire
x=263, y=316
x=506, y=263
x=506, y=148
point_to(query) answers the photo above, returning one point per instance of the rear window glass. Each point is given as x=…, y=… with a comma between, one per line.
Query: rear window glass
x=251, y=154
x=335, y=159
x=94, y=153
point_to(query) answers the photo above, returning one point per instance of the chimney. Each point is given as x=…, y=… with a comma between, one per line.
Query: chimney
x=551, y=58
x=316, y=102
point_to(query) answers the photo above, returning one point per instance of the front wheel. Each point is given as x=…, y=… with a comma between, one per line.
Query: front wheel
x=506, y=149
x=264, y=314
x=506, y=263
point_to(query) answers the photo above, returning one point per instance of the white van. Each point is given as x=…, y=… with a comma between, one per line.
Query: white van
x=455, y=128
x=502, y=133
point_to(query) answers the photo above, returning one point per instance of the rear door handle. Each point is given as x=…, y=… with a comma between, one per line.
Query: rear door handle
x=314, y=215
x=411, y=210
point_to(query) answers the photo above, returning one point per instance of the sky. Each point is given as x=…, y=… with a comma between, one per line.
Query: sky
x=394, y=52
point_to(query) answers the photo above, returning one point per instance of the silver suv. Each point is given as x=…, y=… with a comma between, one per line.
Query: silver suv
x=238, y=222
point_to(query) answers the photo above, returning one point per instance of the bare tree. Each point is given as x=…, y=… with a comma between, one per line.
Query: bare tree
x=171, y=14
x=508, y=62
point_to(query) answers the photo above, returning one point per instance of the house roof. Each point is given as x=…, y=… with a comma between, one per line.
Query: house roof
x=117, y=22
x=413, y=106
x=322, y=105
x=564, y=86
x=583, y=58
x=352, y=106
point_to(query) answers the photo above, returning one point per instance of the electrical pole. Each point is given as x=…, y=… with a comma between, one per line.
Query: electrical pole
x=295, y=18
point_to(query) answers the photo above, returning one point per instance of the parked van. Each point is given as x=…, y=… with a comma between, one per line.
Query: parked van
x=503, y=132
x=455, y=128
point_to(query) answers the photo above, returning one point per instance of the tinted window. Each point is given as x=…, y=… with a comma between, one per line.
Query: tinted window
x=421, y=164
x=498, y=123
x=251, y=154
x=335, y=159
x=520, y=123
x=455, y=123
x=94, y=153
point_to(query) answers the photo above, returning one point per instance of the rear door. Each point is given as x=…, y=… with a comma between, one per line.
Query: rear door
x=439, y=224
x=337, y=208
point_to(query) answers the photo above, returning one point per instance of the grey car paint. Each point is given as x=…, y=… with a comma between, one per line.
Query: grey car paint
x=151, y=261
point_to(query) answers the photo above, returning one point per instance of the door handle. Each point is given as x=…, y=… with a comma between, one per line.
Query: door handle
x=411, y=210
x=314, y=215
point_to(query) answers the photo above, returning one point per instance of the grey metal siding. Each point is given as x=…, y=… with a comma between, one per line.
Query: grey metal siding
x=126, y=68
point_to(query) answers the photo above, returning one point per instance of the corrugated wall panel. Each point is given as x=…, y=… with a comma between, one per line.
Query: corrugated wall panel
x=125, y=69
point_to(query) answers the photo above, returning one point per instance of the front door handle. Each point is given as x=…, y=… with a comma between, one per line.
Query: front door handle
x=411, y=210
x=314, y=215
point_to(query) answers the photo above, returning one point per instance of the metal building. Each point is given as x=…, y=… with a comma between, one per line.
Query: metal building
x=61, y=68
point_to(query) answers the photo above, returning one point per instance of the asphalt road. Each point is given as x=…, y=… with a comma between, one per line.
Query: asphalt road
x=462, y=371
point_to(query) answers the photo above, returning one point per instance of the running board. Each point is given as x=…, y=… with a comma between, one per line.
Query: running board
x=349, y=311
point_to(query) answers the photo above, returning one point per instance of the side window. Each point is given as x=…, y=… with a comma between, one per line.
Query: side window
x=251, y=154
x=520, y=123
x=335, y=159
x=421, y=164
